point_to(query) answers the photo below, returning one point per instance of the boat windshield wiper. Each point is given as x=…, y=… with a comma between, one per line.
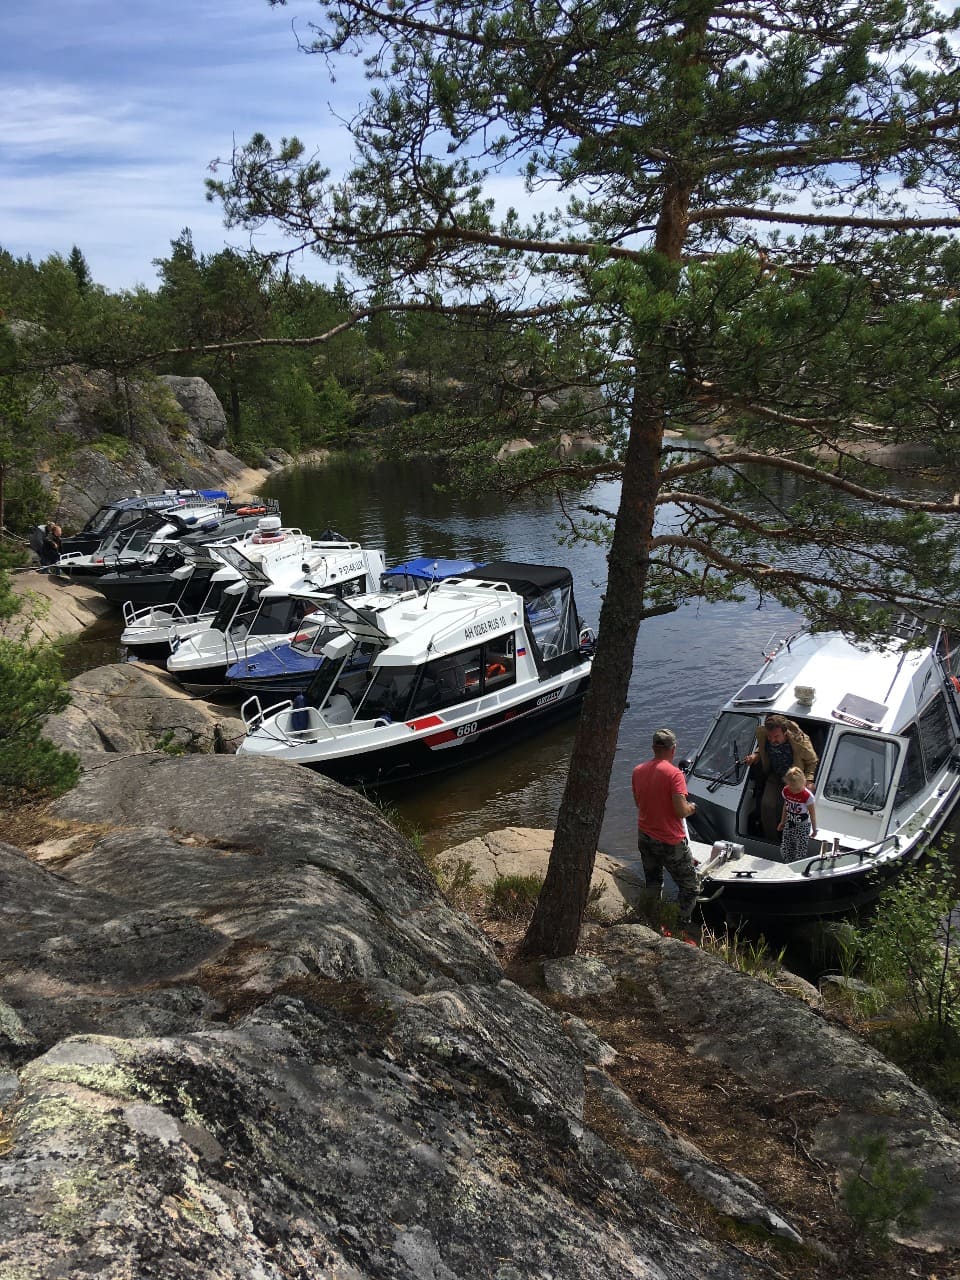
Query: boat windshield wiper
x=733, y=772
x=863, y=805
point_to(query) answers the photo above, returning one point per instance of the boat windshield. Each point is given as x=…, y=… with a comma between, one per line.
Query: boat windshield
x=100, y=520
x=861, y=771
x=228, y=607
x=732, y=739
x=277, y=616
x=313, y=635
x=139, y=541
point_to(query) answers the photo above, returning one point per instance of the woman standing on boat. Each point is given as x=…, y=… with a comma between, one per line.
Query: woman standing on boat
x=781, y=745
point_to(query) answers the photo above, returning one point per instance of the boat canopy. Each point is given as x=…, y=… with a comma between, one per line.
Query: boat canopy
x=552, y=621
x=425, y=569
x=528, y=580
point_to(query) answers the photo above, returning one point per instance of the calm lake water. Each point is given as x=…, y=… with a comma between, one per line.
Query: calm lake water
x=685, y=664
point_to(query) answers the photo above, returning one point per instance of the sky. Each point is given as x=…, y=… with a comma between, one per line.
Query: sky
x=113, y=112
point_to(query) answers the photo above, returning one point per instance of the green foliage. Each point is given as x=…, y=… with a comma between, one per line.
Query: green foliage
x=911, y=947
x=749, y=955
x=252, y=452
x=884, y=1191
x=116, y=448
x=512, y=897
x=31, y=688
x=928, y=1054
x=657, y=912
x=457, y=879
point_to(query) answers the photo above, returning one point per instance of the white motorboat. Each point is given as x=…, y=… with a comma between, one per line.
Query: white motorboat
x=288, y=669
x=280, y=572
x=204, y=578
x=424, y=682
x=885, y=723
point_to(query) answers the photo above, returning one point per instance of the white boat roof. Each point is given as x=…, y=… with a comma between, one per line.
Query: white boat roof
x=418, y=627
x=330, y=563
x=880, y=686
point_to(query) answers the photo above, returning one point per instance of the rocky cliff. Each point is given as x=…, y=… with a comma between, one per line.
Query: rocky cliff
x=243, y=1035
x=167, y=431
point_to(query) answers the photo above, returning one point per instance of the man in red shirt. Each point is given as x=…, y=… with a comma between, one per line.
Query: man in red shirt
x=660, y=794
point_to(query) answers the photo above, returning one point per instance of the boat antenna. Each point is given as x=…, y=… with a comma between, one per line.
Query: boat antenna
x=433, y=582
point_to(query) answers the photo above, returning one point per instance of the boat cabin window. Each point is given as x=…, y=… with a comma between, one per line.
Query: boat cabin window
x=169, y=558
x=139, y=540
x=127, y=518
x=276, y=616
x=861, y=771
x=911, y=777
x=99, y=520
x=936, y=738
x=733, y=737
x=388, y=694
x=352, y=587
x=214, y=598
x=229, y=605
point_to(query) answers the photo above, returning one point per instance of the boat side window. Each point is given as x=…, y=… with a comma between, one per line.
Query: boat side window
x=861, y=771
x=275, y=617
x=732, y=739
x=499, y=664
x=213, y=598
x=228, y=607
x=388, y=693
x=449, y=680
x=99, y=520
x=352, y=587
x=912, y=778
x=313, y=636
x=127, y=518
x=935, y=736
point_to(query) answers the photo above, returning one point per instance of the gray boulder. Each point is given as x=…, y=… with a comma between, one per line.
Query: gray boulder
x=199, y=402
x=131, y=707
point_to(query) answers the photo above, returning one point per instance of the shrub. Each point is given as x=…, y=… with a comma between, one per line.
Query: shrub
x=513, y=897
x=911, y=947
x=748, y=955
x=31, y=688
x=883, y=1192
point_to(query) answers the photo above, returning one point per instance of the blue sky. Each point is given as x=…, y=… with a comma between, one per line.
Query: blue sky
x=112, y=113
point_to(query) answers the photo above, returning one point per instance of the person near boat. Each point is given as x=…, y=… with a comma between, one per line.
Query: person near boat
x=51, y=545
x=798, y=818
x=660, y=794
x=781, y=745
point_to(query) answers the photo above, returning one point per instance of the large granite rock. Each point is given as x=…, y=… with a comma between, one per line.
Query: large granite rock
x=525, y=851
x=52, y=608
x=199, y=402
x=132, y=707
x=243, y=1035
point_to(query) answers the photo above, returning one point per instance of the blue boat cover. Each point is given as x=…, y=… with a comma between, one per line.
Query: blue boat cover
x=430, y=568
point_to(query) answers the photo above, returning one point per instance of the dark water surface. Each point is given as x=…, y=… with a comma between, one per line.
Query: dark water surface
x=685, y=664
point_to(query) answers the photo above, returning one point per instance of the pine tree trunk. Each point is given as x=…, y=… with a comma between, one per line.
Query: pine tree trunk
x=555, y=927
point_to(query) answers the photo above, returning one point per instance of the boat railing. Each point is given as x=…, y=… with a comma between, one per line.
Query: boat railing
x=290, y=722
x=171, y=612
x=828, y=852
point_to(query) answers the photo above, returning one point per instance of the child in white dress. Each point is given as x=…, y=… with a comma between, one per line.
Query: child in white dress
x=798, y=820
